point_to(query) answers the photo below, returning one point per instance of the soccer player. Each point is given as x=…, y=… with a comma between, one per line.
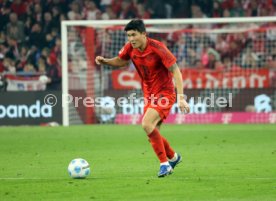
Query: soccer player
x=156, y=66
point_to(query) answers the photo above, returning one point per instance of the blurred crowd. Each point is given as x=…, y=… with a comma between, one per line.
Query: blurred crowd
x=30, y=30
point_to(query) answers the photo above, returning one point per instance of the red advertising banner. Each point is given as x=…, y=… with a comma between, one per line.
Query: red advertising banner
x=202, y=79
x=125, y=79
x=244, y=78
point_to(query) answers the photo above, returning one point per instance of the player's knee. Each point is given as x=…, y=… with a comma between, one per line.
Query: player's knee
x=147, y=126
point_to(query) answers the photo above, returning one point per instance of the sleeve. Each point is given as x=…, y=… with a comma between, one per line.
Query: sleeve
x=124, y=53
x=167, y=57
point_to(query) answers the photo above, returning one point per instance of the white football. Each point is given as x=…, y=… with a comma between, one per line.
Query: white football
x=78, y=168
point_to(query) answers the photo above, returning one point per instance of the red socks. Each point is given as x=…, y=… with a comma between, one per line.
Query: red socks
x=160, y=146
x=169, y=151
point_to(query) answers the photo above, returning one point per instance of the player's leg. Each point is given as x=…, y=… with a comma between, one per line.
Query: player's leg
x=174, y=158
x=169, y=151
x=159, y=124
x=149, y=122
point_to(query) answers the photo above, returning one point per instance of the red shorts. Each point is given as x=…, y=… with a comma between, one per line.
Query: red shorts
x=162, y=103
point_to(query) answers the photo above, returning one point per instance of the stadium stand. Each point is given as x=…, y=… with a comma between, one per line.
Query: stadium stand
x=30, y=31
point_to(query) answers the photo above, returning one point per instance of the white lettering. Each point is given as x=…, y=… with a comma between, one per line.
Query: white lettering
x=12, y=111
x=230, y=100
x=46, y=111
x=22, y=108
x=262, y=103
x=200, y=108
x=259, y=79
x=187, y=84
x=107, y=108
x=239, y=82
x=209, y=101
x=34, y=110
x=272, y=118
x=226, y=117
x=225, y=81
x=66, y=99
x=199, y=83
x=23, y=111
x=221, y=102
x=2, y=111
x=88, y=102
x=212, y=82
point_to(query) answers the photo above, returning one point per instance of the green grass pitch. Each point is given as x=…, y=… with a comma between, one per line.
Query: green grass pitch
x=220, y=163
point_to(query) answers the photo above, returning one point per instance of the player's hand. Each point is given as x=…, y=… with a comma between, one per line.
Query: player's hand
x=183, y=105
x=99, y=60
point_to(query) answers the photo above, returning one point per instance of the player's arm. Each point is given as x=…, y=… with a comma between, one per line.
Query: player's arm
x=116, y=61
x=183, y=105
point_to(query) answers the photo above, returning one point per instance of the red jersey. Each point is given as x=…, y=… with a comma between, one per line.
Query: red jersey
x=152, y=66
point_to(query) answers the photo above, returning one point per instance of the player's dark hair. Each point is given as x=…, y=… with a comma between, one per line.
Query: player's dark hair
x=136, y=25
